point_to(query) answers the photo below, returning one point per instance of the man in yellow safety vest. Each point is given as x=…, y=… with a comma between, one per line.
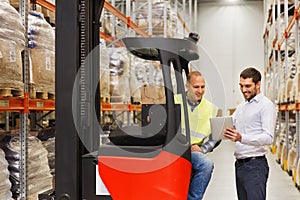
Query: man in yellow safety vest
x=199, y=111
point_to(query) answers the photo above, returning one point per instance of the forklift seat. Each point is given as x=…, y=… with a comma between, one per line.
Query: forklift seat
x=133, y=136
x=153, y=130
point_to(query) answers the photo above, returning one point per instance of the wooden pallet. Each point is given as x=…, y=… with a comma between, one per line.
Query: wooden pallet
x=11, y=92
x=34, y=94
x=44, y=95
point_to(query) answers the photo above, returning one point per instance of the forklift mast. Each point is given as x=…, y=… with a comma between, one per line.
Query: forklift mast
x=77, y=35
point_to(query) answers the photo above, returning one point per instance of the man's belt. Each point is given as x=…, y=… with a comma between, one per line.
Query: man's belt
x=244, y=160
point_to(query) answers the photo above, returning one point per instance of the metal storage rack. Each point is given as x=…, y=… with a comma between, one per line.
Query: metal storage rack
x=281, y=81
x=25, y=105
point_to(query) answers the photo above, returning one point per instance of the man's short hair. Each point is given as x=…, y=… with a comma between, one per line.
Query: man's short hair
x=193, y=73
x=251, y=72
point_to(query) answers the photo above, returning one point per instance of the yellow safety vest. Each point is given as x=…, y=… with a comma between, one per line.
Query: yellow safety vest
x=199, y=119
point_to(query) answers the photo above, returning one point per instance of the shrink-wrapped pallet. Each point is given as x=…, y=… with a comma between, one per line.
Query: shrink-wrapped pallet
x=135, y=90
x=292, y=156
x=49, y=144
x=10, y=65
x=11, y=24
x=104, y=72
x=150, y=81
x=152, y=94
x=13, y=158
x=5, y=184
x=163, y=21
x=47, y=136
x=279, y=142
x=12, y=41
x=119, y=75
x=39, y=178
x=41, y=38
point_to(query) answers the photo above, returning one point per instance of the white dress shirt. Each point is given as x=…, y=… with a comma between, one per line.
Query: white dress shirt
x=255, y=120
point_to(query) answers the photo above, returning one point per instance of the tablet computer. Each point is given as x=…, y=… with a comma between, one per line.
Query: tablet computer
x=218, y=124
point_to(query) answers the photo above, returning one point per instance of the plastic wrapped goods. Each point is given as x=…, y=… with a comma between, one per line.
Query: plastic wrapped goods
x=11, y=27
x=119, y=75
x=12, y=41
x=104, y=72
x=47, y=136
x=135, y=91
x=5, y=184
x=40, y=33
x=50, y=146
x=39, y=178
x=41, y=38
x=158, y=11
x=13, y=158
x=10, y=65
x=43, y=70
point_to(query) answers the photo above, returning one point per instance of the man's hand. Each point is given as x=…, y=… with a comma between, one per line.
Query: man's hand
x=195, y=147
x=232, y=134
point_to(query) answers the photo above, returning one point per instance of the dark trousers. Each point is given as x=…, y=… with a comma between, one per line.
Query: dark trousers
x=251, y=178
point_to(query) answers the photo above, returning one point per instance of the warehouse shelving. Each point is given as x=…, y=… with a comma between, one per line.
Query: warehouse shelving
x=129, y=23
x=23, y=106
x=20, y=104
x=125, y=19
x=111, y=39
x=120, y=107
x=281, y=86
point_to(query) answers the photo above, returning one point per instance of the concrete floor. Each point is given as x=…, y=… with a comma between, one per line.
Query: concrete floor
x=222, y=185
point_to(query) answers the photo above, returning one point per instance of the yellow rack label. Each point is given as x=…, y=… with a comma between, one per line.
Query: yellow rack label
x=39, y=104
x=4, y=103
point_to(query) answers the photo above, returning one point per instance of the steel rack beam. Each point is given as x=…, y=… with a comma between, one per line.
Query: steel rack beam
x=120, y=107
x=46, y=4
x=111, y=39
x=289, y=27
x=18, y=104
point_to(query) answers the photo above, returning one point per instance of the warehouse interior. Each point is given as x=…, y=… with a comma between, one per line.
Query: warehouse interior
x=71, y=75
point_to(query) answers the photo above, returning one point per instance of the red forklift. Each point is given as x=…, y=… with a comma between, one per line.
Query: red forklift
x=152, y=161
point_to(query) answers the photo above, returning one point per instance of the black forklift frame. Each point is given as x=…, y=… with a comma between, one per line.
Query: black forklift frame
x=77, y=34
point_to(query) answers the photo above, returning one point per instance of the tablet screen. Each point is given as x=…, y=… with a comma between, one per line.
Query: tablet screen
x=218, y=124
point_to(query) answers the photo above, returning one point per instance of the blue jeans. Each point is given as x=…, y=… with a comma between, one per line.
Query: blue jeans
x=202, y=167
x=251, y=179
